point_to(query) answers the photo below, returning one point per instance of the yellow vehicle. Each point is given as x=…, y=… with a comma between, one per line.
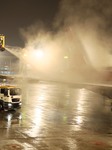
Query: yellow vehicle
x=10, y=97
x=2, y=42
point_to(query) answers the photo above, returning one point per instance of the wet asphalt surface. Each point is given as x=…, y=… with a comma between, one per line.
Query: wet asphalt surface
x=58, y=117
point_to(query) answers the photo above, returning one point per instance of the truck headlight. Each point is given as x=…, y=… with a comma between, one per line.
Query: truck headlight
x=20, y=104
x=9, y=105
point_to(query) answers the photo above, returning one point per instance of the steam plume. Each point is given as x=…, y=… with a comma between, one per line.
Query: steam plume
x=80, y=42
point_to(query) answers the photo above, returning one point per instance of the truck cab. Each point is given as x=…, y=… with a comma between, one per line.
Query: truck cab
x=10, y=97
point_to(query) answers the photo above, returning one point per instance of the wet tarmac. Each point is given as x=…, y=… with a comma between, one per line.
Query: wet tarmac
x=58, y=117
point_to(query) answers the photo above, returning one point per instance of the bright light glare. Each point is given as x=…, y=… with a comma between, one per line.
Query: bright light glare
x=24, y=54
x=65, y=57
x=39, y=54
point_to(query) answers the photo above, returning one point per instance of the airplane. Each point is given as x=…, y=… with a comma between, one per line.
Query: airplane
x=103, y=88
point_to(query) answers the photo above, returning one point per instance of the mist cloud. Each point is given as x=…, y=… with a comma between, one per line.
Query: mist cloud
x=82, y=33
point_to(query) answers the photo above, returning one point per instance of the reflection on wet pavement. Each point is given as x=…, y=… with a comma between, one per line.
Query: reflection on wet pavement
x=60, y=117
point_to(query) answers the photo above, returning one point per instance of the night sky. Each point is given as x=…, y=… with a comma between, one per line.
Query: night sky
x=21, y=14
x=17, y=14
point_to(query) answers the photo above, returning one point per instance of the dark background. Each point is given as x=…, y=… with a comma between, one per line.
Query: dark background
x=17, y=14
x=21, y=14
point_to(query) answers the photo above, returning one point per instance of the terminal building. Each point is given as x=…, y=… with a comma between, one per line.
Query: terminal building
x=9, y=63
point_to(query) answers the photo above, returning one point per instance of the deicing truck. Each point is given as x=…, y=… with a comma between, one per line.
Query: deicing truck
x=10, y=97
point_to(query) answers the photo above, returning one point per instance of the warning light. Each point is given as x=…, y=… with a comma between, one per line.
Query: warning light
x=2, y=42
